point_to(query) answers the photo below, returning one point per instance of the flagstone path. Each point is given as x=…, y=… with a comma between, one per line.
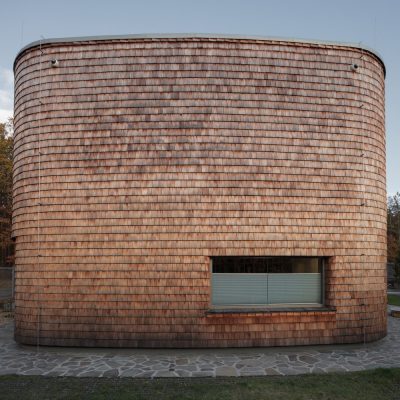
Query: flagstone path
x=151, y=363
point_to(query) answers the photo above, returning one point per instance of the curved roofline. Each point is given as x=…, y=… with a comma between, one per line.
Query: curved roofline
x=200, y=36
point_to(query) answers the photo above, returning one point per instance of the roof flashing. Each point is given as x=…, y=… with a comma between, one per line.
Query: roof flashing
x=157, y=36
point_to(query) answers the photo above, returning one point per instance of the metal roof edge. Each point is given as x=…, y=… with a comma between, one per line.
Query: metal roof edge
x=194, y=36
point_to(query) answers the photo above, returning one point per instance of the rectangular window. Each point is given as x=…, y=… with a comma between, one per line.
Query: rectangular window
x=258, y=281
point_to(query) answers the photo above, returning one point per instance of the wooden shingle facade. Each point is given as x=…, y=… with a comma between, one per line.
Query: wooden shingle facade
x=139, y=159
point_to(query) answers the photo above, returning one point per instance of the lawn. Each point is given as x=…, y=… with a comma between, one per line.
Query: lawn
x=367, y=385
x=394, y=300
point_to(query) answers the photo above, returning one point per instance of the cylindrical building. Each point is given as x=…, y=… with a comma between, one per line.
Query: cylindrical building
x=199, y=191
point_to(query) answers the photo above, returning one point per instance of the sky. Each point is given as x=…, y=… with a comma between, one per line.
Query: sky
x=372, y=23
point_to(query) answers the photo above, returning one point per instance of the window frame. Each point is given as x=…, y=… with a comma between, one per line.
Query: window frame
x=322, y=262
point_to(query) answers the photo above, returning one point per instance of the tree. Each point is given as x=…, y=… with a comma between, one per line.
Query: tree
x=393, y=227
x=393, y=234
x=6, y=151
x=396, y=271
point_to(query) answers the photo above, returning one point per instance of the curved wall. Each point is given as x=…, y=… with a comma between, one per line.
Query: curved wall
x=157, y=153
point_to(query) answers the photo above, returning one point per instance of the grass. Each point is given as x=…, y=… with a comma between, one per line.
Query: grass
x=367, y=385
x=393, y=300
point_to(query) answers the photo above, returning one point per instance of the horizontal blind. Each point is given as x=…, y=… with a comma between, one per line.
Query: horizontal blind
x=239, y=289
x=294, y=288
x=259, y=289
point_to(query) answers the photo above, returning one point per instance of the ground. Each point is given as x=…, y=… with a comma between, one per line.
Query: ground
x=371, y=385
x=373, y=371
x=394, y=299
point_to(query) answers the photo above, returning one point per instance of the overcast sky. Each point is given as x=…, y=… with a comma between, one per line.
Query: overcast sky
x=373, y=23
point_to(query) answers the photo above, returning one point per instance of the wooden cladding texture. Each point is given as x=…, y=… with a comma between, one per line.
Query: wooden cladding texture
x=156, y=154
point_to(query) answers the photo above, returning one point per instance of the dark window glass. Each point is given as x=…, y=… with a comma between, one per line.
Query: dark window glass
x=264, y=265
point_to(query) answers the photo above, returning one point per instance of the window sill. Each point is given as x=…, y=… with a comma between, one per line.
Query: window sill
x=270, y=310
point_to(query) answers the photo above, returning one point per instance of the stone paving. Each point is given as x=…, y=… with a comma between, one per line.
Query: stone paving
x=56, y=361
